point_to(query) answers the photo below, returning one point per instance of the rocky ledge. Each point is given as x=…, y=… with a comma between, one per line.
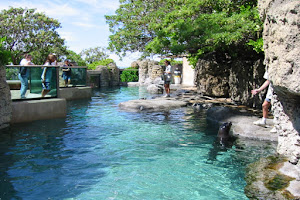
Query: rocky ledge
x=152, y=105
x=272, y=178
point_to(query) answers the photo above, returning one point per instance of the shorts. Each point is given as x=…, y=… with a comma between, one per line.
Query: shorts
x=46, y=86
x=269, y=94
x=66, y=77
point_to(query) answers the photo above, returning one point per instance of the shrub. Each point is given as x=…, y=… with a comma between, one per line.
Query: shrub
x=104, y=62
x=130, y=75
x=172, y=62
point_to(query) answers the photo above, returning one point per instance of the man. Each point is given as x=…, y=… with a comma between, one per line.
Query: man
x=24, y=74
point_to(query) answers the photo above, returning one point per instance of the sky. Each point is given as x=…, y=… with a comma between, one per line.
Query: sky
x=83, y=22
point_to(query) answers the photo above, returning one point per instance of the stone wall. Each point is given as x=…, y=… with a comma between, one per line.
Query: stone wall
x=220, y=75
x=149, y=70
x=5, y=100
x=282, y=46
x=104, y=76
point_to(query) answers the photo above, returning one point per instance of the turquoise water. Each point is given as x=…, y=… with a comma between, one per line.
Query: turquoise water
x=101, y=152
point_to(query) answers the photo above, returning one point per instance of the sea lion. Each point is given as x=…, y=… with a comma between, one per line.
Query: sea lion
x=223, y=142
x=223, y=133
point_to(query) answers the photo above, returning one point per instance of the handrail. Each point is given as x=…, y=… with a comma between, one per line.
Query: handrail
x=46, y=66
x=78, y=79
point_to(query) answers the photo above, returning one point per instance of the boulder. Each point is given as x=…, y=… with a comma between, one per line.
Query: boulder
x=152, y=105
x=5, y=100
x=155, y=89
x=282, y=46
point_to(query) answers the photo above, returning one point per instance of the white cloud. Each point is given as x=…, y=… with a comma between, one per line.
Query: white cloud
x=68, y=36
x=107, y=6
x=127, y=60
x=84, y=25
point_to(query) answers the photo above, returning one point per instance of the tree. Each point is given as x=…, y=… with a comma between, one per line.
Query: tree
x=179, y=27
x=104, y=62
x=27, y=31
x=71, y=55
x=94, y=54
x=4, y=55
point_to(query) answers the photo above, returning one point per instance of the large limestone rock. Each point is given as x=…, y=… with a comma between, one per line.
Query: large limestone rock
x=115, y=74
x=220, y=75
x=108, y=76
x=143, y=71
x=5, y=100
x=149, y=70
x=152, y=105
x=282, y=46
x=155, y=89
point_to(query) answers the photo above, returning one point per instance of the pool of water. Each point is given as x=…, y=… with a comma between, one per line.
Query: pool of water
x=100, y=152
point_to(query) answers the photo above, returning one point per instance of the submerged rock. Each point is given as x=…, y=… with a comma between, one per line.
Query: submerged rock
x=265, y=181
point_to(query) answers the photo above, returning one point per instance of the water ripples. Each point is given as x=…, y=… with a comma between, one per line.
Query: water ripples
x=101, y=152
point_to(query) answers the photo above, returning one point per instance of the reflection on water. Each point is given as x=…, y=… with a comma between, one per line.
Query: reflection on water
x=100, y=152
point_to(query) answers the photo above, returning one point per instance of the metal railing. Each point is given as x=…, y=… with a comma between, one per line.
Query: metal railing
x=35, y=84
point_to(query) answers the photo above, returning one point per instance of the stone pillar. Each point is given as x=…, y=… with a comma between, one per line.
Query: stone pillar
x=143, y=71
x=282, y=46
x=115, y=74
x=5, y=100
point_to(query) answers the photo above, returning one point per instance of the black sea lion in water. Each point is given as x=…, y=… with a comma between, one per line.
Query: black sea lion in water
x=223, y=133
x=223, y=142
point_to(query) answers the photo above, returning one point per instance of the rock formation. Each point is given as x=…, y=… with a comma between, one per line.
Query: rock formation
x=148, y=71
x=282, y=46
x=5, y=100
x=105, y=76
x=220, y=75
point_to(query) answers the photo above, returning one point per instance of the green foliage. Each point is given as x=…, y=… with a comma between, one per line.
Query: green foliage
x=92, y=55
x=191, y=27
x=12, y=73
x=4, y=55
x=257, y=45
x=172, y=62
x=74, y=57
x=130, y=75
x=27, y=31
x=104, y=62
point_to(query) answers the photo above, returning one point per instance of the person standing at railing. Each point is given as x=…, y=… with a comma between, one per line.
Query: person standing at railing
x=67, y=73
x=47, y=74
x=24, y=74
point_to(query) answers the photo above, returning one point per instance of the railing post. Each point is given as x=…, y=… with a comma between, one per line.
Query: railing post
x=57, y=81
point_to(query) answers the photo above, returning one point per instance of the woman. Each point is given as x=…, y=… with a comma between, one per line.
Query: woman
x=167, y=77
x=47, y=74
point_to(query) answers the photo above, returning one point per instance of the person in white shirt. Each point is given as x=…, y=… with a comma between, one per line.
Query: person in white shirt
x=24, y=74
x=47, y=74
x=167, y=77
x=267, y=102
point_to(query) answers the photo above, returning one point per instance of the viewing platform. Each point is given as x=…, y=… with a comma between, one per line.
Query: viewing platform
x=53, y=105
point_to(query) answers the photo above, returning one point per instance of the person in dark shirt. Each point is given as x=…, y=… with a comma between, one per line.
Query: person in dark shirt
x=67, y=73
